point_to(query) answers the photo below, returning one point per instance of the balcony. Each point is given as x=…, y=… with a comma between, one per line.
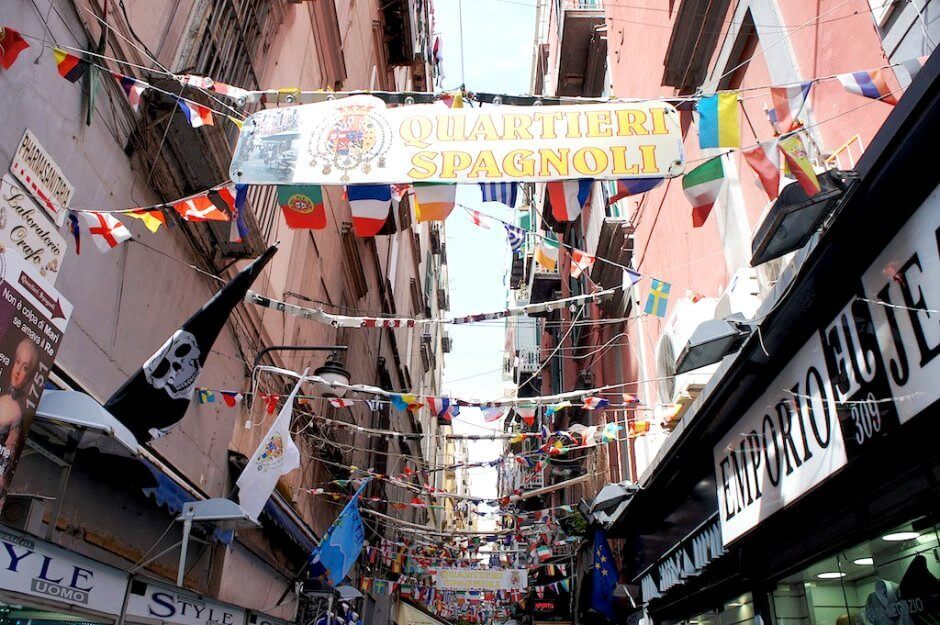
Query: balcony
x=615, y=243
x=583, y=51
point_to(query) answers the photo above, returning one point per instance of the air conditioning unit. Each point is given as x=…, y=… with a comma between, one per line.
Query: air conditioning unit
x=741, y=296
x=685, y=317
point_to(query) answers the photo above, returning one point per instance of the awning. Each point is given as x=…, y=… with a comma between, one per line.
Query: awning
x=278, y=512
x=64, y=416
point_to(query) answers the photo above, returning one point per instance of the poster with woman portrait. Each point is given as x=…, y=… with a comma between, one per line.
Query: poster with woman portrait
x=33, y=318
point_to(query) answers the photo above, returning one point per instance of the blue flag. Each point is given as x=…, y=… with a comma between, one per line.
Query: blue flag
x=340, y=547
x=604, y=577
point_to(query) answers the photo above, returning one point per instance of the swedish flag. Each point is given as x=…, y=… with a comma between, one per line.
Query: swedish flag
x=658, y=298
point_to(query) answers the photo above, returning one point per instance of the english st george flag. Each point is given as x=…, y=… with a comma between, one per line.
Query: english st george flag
x=156, y=397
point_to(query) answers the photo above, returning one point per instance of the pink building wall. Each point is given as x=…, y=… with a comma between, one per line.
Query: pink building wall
x=701, y=261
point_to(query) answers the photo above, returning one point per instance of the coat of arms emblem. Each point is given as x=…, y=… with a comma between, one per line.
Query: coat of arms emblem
x=351, y=139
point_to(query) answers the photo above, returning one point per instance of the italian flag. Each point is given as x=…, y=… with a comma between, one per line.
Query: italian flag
x=701, y=186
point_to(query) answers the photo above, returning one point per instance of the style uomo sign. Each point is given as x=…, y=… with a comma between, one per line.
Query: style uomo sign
x=39, y=569
x=872, y=368
x=149, y=602
x=358, y=140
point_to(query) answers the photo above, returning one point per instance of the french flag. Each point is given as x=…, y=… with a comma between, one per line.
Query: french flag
x=438, y=405
x=369, y=204
x=870, y=84
x=568, y=197
x=633, y=186
x=197, y=114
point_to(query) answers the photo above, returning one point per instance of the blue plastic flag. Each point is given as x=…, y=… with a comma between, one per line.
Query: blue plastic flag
x=340, y=547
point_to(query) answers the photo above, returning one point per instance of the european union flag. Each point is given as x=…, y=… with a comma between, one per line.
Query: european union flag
x=658, y=298
x=340, y=547
x=604, y=578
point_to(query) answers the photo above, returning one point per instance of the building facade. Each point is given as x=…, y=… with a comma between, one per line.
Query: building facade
x=678, y=51
x=101, y=512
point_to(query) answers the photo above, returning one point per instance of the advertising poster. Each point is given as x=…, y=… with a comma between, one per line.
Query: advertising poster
x=33, y=318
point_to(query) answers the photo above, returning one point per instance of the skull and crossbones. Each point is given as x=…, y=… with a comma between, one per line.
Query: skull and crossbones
x=175, y=366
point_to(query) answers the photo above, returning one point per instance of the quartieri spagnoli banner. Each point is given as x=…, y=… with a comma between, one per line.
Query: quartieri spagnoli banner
x=359, y=140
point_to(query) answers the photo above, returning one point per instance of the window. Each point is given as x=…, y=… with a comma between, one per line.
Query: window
x=881, y=10
x=329, y=42
x=891, y=579
x=235, y=34
x=353, y=261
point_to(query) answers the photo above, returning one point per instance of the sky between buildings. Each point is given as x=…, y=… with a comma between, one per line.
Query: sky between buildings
x=497, y=48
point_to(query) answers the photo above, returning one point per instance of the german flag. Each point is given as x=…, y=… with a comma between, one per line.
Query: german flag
x=70, y=66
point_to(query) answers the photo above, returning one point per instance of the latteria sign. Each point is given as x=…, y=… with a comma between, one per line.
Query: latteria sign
x=861, y=376
x=36, y=568
x=358, y=140
x=481, y=579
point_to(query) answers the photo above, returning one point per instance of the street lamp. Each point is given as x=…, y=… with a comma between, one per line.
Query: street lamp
x=611, y=501
x=332, y=371
x=335, y=375
x=711, y=341
x=223, y=512
x=795, y=216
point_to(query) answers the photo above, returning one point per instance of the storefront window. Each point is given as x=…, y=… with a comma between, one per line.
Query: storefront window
x=20, y=615
x=891, y=579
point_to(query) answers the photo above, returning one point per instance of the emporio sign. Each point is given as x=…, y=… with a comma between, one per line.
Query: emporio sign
x=861, y=376
x=358, y=140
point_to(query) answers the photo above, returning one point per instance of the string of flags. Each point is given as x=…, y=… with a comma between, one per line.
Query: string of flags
x=345, y=321
x=719, y=127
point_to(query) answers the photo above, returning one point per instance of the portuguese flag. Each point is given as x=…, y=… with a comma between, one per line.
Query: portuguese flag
x=302, y=206
x=70, y=66
x=701, y=186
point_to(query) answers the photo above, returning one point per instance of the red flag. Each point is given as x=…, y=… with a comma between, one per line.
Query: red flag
x=765, y=161
x=11, y=44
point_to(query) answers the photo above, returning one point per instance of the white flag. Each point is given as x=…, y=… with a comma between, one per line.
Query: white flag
x=275, y=456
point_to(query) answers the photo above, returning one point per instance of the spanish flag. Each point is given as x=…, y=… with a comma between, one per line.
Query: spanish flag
x=152, y=218
x=794, y=152
x=70, y=66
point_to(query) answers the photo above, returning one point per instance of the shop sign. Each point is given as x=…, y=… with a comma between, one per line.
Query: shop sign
x=861, y=376
x=685, y=560
x=33, y=567
x=42, y=178
x=162, y=604
x=26, y=229
x=358, y=140
x=33, y=318
x=481, y=579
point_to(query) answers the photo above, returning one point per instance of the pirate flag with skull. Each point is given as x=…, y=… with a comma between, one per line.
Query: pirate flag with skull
x=156, y=397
